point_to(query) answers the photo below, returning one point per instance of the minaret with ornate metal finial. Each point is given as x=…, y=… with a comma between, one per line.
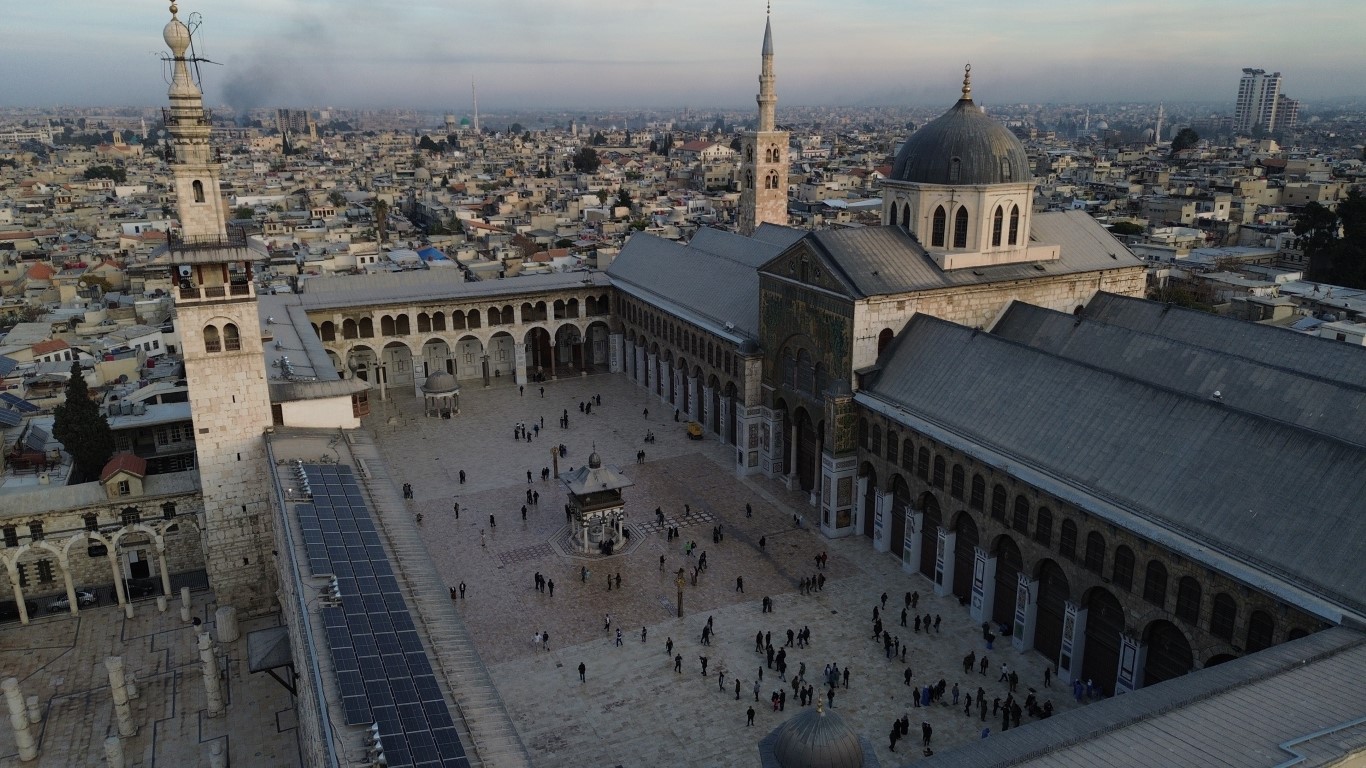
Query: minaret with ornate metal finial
x=763, y=162
x=967, y=82
x=220, y=333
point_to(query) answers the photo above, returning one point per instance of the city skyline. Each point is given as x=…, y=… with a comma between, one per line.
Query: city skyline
x=587, y=54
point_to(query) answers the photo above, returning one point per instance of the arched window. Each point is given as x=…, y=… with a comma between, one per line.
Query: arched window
x=1067, y=540
x=956, y=482
x=875, y=440
x=955, y=169
x=1122, y=574
x=1155, y=584
x=349, y=329
x=424, y=322
x=922, y=463
x=1043, y=527
x=212, y=342
x=906, y=215
x=1007, y=174
x=884, y=338
x=863, y=433
x=1188, y=600
x=998, y=502
x=960, y=228
x=1260, y=628
x=940, y=224
x=1223, y=616
x=997, y=224
x=979, y=492
x=893, y=443
x=1014, y=224
x=937, y=479
x=232, y=342
x=892, y=214
x=1094, y=560
x=386, y=326
x=402, y=326
x=198, y=187
x=329, y=331
x=1020, y=522
x=367, y=328
x=907, y=454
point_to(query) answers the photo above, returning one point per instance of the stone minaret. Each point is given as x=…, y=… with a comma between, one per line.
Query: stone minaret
x=763, y=161
x=220, y=333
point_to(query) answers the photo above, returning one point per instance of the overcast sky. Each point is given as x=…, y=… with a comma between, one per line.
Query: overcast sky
x=584, y=54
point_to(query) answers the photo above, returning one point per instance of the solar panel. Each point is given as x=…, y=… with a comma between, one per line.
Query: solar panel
x=36, y=440
x=18, y=403
x=383, y=672
x=9, y=418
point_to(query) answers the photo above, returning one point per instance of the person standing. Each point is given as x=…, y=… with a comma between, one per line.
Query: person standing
x=739, y=583
x=582, y=669
x=618, y=637
x=550, y=585
x=704, y=660
x=462, y=590
x=737, y=689
x=678, y=663
x=926, y=732
x=642, y=634
x=749, y=713
x=462, y=482
x=846, y=677
x=669, y=647
x=606, y=621
x=756, y=690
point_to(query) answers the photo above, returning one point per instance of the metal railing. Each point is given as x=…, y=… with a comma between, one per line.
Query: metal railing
x=234, y=237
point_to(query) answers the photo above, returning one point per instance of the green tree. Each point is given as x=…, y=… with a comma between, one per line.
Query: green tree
x=1126, y=228
x=1335, y=241
x=515, y=128
x=586, y=160
x=381, y=213
x=81, y=428
x=427, y=145
x=599, y=140
x=336, y=198
x=114, y=173
x=623, y=197
x=1185, y=139
x=603, y=194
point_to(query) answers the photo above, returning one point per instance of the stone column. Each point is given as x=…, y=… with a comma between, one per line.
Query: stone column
x=1133, y=657
x=1026, y=611
x=728, y=435
x=910, y=552
x=638, y=371
x=18, y=719
x=652, y=372
x=944, y=562
x=119, y=591
x=113, y=752
x=18, y=593
x=161, y=565
x=212, y=687
x=225, y=618
x=70, y=586
x=185, y=604
x=705, y=415
x=519, y=356
x=882, y=516
x=694, y=407
x=616, y=352
x=1073, y=642
x=123, y=712
x=983, y=585
x=676, y=387
x=791, y=466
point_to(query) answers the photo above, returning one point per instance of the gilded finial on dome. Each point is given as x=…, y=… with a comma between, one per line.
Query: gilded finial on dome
x=967, y=81
x=174, y=9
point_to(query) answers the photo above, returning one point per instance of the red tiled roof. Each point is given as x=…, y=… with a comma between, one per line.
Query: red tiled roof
x=124, y=462
x=51, y=345
x=697, y=146
x=40, y=271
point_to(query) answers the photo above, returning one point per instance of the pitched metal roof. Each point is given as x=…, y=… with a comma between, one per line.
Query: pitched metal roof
x=431, y=286
x=1276, y=503
x=888, y=260
x=1304, y=398
x=1299, y=699
x=712, y=281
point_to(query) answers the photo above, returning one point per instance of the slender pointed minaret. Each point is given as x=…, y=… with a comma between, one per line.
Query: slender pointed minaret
x=1157, y=132
x=474, y=95
x=220, y=332
x=763, y=162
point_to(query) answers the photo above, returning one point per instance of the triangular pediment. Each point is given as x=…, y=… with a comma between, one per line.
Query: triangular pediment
x=806, y=262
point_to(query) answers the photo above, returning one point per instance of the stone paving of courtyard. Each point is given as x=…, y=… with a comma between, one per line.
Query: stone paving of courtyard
x=633, y=709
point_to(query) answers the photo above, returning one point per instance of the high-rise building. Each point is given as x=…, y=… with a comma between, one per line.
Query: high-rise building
x=1258, y=96
x=763, y=164
x=224, y=361
x=1287, y=112
x=292, y=120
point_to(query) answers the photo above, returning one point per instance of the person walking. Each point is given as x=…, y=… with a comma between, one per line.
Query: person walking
x=704, y=660
x=737, y=689
x=669, y=647
x=550, y=585
x=618, y=637
x=739, y=583
x=749, y=713
x=582, y=669
x=678, y=663
x=606, y=621
x=462, y=482
x=756, y=690
x=642, y=634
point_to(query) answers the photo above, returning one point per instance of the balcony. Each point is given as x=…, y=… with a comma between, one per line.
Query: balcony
x=169, y=117
x=235, y=237
x=216, y=292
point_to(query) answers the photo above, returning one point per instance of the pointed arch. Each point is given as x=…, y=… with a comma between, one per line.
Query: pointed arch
x=937, y=228
x=1014, y=224
x=960, y=228
x=997, y=224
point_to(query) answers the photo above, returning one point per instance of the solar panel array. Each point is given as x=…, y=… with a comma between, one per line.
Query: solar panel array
x=17, y=403
x=9, y=418
x=383, y=671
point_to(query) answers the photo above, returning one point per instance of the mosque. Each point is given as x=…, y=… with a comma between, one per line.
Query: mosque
x=1133, y=490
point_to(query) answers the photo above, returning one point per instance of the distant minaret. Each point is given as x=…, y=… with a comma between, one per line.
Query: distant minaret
x=220, y=332
x=763, y=162
x=1157, y=133
x=475, y=96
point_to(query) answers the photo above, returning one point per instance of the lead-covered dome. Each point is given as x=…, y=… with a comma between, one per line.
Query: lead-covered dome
x=964, y=146
x=817, y=739
x=440, y=383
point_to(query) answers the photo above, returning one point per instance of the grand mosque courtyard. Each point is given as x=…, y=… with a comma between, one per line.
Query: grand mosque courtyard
x=633, y=709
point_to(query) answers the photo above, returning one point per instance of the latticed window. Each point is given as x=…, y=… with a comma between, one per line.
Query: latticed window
x=1155, y=584
x=1123, y=572
x=998, y=502
x=1188, y=599
x=938, y=227
x=44, y=571
x=922, y=463
x=1067, y=540
x=1043, y=527
x=892, y=443
x=131, y=516
x=35, y=530
x=937, y=480
x=1020, y=522
x=1094, y=560
x=11, y=536
x=979, y=492
x=92, y=523
x=956, y=482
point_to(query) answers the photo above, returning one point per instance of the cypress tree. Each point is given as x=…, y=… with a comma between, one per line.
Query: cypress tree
x=82, y=429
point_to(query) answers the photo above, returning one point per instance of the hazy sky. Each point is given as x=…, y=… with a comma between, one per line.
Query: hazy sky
x=700, y=53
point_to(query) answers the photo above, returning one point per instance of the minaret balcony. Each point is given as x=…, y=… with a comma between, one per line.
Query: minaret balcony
x=188, y=294
x=173, y=116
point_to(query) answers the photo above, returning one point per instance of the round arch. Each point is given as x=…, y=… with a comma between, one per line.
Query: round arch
x=807, y=448
x=1054, y=593
x=901, y=499
x=538, y=357
x=1169, y=652
x=1009, y=564
x=869, y=475
x=964, y=553
x=1104, y=627
x=397, y=357
x=929, y=532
